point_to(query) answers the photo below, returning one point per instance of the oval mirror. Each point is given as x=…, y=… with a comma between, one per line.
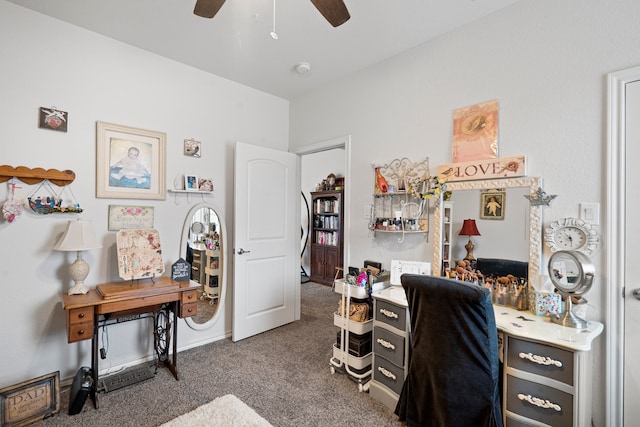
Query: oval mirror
x=202, y=246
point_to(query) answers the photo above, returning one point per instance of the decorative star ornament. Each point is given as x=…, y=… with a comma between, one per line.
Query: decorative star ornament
x=540, y=198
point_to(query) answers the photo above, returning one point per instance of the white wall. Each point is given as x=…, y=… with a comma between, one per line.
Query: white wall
x=45, y=63
x=545, y=61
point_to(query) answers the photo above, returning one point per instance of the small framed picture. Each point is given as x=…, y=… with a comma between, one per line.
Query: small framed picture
x=190, y=182
x=192, y=148
x=205, y=184
x=492, y=204
x=54, y=119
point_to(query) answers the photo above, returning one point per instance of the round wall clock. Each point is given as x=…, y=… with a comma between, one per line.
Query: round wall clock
x=572, y=234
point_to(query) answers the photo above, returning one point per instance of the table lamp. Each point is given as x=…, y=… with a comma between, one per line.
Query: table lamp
x=469, y=229
x=78, y=236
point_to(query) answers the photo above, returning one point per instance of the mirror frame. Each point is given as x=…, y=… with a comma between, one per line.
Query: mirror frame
x=223, y=283
x=535, y=219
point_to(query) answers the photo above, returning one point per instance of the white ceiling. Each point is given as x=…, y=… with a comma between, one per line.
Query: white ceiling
x=236, y=44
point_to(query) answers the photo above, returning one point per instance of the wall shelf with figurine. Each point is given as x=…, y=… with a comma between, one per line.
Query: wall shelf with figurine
x=402, y=190
x=50, y=202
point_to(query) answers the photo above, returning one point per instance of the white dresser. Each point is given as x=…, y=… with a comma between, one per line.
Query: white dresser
x=547, y=368
x=547, y=376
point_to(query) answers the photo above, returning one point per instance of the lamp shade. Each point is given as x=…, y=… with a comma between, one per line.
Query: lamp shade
x=78, y=236
x=469, y=228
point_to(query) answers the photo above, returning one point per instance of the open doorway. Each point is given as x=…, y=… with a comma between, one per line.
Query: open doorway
x=317, y=162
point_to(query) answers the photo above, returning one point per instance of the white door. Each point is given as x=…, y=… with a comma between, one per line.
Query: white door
x=266, y=292
x=632, y=253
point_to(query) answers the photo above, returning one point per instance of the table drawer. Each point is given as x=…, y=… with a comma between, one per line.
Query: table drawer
x=188, y=310
x=540, y=359
x=391, y=314
x=389, y=345
x=80, y=331
x=388, y=374
x=80, y=315
x=189, y=296
x=539, y=402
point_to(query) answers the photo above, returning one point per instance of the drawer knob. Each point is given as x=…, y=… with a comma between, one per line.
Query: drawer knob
x=541, y=403
x=81, y=315
x=81, y=332
x=540, y=360
x=386, y=344
x=387, y=373
x=390, y=314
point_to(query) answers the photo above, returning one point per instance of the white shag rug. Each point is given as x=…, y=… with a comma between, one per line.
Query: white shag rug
x=227, y=411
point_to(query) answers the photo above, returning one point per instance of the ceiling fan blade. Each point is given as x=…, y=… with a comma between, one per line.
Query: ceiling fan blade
x=208, y=8
x=333, y=11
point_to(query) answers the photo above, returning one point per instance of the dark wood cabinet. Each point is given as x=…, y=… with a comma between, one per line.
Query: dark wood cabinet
x=326, y=236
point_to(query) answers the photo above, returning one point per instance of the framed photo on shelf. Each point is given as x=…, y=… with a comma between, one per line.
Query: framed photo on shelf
x=191, y=182
x=130, y=162
x=492, y=204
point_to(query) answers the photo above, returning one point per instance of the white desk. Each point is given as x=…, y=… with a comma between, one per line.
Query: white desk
x=547, y=367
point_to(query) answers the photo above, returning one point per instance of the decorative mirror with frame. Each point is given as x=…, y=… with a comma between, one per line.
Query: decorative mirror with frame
x=202, y=244
x=534, y=218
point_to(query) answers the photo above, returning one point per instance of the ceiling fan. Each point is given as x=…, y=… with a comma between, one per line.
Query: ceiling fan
x=333, y=11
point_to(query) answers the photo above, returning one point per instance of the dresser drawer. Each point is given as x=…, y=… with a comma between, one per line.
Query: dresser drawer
x=539, y=402
x=391, y=314
x=80, y=332
x=188, y=310
x=388, y=345
x=189, y=296
x=388, y=374
x=540, y=359
x=80, y=315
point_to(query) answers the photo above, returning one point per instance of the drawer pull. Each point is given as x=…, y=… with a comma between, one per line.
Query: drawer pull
x=541, y=403
x=387, y=373
x=390, y=314
x=540, y=360
x=81, y=332
x=81, y=315
x=386, y=344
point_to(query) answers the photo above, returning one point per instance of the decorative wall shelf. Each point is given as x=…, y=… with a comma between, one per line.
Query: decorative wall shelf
x=36, y=175
x=190, y=191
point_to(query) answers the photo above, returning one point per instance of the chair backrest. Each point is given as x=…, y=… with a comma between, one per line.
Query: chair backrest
x=453, y=373
x=502, y=267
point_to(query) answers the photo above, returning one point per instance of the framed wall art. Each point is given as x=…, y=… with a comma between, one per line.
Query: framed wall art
x=192, y=148
x=52, y=118
x=130, y=162
x=475, y=132
x=492, y=204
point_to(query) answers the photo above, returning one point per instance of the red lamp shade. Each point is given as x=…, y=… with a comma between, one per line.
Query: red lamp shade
x=469, y=228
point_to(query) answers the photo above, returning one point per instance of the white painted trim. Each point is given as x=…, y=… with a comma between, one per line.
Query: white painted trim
x=341, y=142
x=615, y=243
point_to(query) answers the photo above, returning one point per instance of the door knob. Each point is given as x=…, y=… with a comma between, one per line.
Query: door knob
x=636, y=293
x=242, y=251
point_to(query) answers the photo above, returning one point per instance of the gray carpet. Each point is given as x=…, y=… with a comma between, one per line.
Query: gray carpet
x=282, y=374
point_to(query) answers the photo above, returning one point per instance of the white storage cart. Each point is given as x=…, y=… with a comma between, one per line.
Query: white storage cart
x=358, y=367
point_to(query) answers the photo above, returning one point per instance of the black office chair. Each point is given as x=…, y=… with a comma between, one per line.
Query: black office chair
x=495, y=267
x=453, y=372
